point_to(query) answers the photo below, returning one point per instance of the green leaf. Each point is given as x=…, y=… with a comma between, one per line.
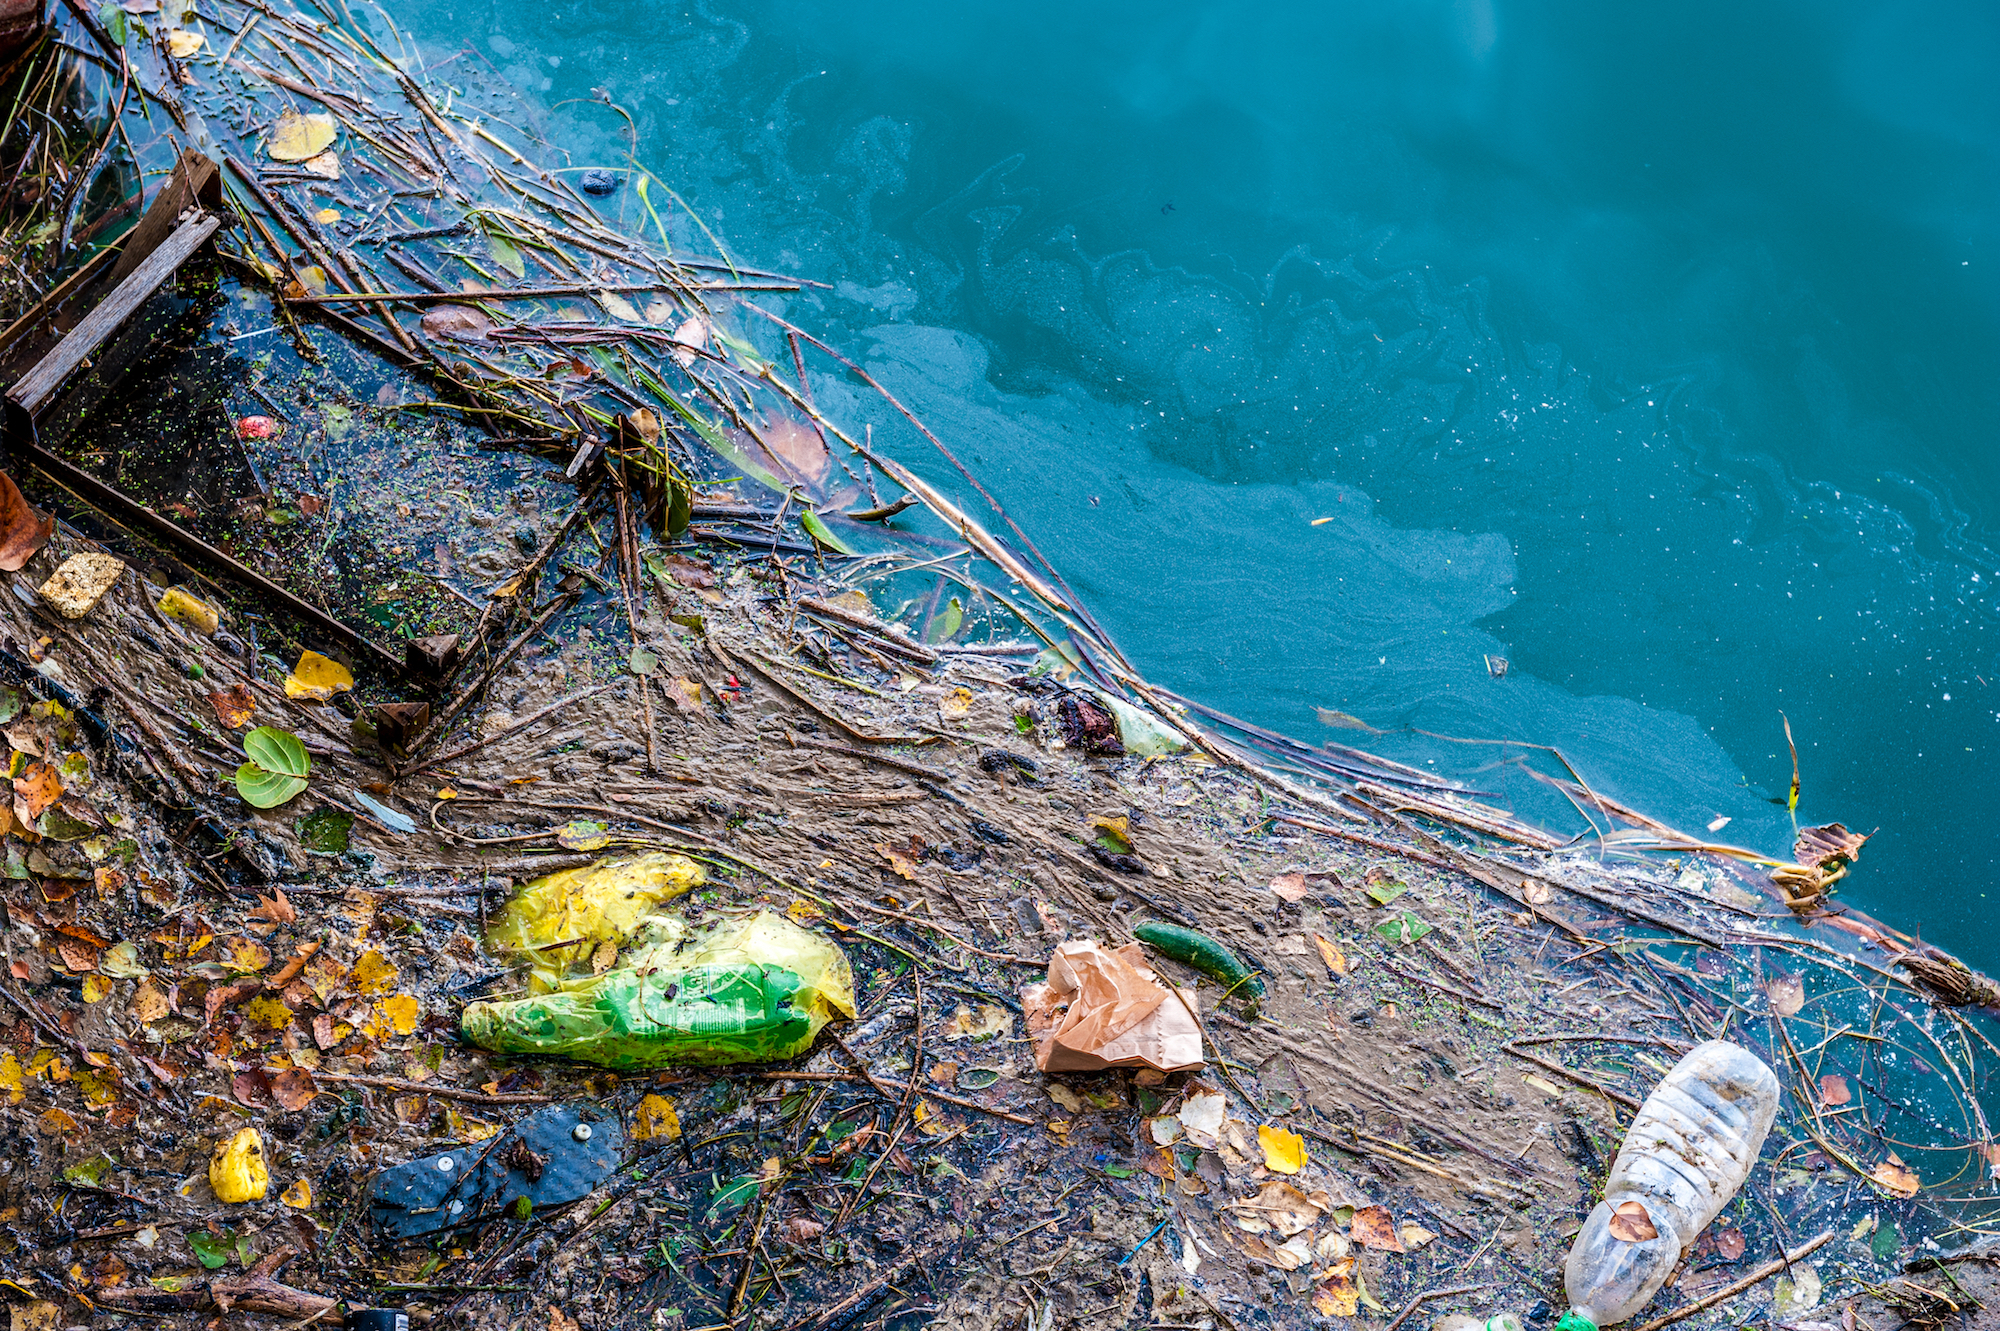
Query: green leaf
x=680, y=504
x=1118, y=1171
x=1384, y=893
x=1404, y=928
x=113, y=19
x=735, y=1193
x=212, y=1250
x=12, y=701
x=505, y=254
x=523, y=1208
x=948, y=621
x=277, y=751
x=977, y=1079
x=1886, y=1241
x=266, y=790
x=325, y=830
x=820, y=533
x=277, y=768
x=643, y=661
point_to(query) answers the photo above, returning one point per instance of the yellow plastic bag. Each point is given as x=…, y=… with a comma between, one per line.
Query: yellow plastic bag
x=558, y=922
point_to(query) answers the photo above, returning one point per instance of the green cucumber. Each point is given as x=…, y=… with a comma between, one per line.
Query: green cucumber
x=1205, y=954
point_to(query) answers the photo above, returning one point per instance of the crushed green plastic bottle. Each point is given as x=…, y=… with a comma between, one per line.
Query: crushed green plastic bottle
x=742, y=991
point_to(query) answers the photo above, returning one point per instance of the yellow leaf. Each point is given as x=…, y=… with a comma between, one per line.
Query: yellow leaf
x=655, y=1117
x=1284, y=1151
x=247, y=955
x=237, y=1172
x=268, y=1012
x=619, y=307
x=299, y=1196
x=929, y=1121
x=1331, y=955
x=297, y=137
x=1543, y=1085
x=326, y=166
x=373, y=974
x=317, y=676
x=190, y=611
x=96, y=988
x=804, y=912
x=327, y=216
x=181, y=43
x=12, y=1080
x=956, y=703
x=402, y=1012
x=465, y=1128
x=1338, y=1297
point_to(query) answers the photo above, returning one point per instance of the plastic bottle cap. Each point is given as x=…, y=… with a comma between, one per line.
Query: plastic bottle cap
x=581, y=1132
x=446, y=1164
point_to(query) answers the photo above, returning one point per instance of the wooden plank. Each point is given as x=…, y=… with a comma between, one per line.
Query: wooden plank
x=34, y=389
x=195, y=181
x=125, y=509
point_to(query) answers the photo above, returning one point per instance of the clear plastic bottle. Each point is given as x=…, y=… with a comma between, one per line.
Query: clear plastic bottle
x=1685, y=1155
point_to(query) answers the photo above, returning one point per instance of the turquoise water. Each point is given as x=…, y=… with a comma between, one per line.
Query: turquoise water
x=1654, y=352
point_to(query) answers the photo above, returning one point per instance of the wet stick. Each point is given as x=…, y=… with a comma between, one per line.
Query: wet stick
x=457, y=706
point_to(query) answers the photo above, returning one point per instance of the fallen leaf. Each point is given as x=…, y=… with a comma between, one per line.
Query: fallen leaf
x=655, y=1117
x=1065, y=1097
x=1374, y=1227
x=1342, y=721
x=604, y=958
x=1827, y=847
x=1536, y=892
x=1277, y=1206
x=97, y=988
x=39, y=786
x=1729, y=1243
x=149, y=1003
x=799, y=447
x=692, y=335
x=459, y=321
x=1337, y=1296
x=1415, y=1236
x=1202, y=1115
x=618, y=307
x=181, y=43
x=299, y=1196
x=1331, y=955
x=899, y=862
x=1631, y=1223
x=277, y=768
x=373, y=974
x=1787, y=994
x=1833, y=1090
x=273, y=910
x=40, y=1315
x=1897, y=1178
x=294, y=1089
x=1542, y=1084
x=247, y=956
x=1290, y=887
x=317, y=677
x=325, y=165
x=402, y=1011
x=295, y=137
x=1284, y=1150
x=234, y=706
x=1796, y=1292
x=583, y=834
x=956, y=703
x=24, y=529
x=327, y=216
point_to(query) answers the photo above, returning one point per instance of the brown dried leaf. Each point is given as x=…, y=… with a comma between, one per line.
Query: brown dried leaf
x=799, y=447
x=78, y=957
x=1827, y=847
x=1374, y=1227
x=273, y=910
x=459, y=321
x=149, y=1002
x=234, y=706
x=1787, y=993
x=1833, y=1090
x=252, y=1087
x=1536, y=892
x=1729, y=1243
x=900, y=862
x=293, y=1088
x=1289, y=887
x=1631, y=1223
x=24, y=529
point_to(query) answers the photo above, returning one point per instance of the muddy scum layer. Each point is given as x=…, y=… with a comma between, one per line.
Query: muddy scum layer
x=1462, y=1011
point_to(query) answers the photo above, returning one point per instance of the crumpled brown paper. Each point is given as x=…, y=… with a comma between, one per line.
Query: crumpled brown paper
x=1104, y=1009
